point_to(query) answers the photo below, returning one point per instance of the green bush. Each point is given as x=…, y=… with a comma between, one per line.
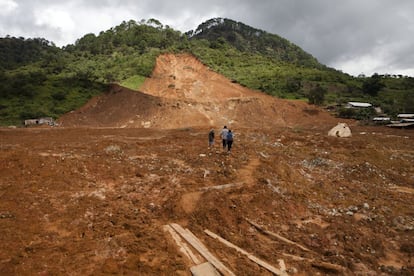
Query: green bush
x=357, y=114
x=317, y=95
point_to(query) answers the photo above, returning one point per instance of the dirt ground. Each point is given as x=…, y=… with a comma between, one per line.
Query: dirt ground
x=91, y=196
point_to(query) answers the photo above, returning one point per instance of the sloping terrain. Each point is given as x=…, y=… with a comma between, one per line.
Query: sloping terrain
x=92, y=196
x=182, y=92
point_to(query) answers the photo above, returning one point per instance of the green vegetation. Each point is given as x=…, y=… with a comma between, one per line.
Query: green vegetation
x=39, y=79
x=133, y=82
x=359, y=114
x=316, y=95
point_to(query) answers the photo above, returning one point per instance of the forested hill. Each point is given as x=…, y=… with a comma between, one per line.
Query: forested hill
x=39, y=79
x=248, y=39
x=17, y=52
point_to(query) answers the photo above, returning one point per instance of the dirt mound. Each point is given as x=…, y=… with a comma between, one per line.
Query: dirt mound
x=182, y=92
x=115, y=108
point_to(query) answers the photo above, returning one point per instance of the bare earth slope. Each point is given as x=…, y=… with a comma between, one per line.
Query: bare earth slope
x=92, y=196
x=186, y=93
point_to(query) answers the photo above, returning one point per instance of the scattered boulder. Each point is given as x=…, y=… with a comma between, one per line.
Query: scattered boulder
x=340, y=130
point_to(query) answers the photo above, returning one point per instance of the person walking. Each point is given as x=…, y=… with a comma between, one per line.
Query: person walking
x=223, y=135
x=229, y=140
x=211, y=138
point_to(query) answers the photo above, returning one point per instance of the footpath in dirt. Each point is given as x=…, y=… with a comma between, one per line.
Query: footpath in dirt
x=100, y=193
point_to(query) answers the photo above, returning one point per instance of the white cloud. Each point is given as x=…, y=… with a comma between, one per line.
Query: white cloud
x=7, y=7
x=54, y=18
x=58, y=20
x=365, y=64
x=69, y=22
x=385, y=57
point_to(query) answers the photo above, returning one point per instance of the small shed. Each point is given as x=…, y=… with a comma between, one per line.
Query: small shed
x=31, y=122
x=40, y=121
x=46, y=121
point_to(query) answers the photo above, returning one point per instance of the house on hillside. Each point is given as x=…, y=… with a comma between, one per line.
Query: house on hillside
x=406, y=118
x=404, y=121
x=40, y=121
x=381, y=119
x=357, y=105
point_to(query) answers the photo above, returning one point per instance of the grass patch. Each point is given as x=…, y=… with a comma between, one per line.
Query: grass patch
x=134, y=82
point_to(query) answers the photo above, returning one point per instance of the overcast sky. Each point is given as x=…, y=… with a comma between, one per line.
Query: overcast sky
x=355, y=36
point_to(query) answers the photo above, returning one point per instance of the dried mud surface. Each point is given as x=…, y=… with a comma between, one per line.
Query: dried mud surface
x=91, y=197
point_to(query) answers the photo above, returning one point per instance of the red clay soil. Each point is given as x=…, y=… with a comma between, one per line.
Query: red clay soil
x=182, y=92
x=91, y=197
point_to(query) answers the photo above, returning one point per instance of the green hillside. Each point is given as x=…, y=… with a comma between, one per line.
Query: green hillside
x=250, y=40
x=39, y=79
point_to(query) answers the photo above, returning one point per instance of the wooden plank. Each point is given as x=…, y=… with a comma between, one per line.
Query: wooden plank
x=182, y=245
x=204, y=269
x=328, y=266
x=211, y=258
x=278, y=236
x=199, y=246
x=221, y=187
x=318, y=264
x=282, y=267
x=226, y=242
x=250, y=256
x=264, y=264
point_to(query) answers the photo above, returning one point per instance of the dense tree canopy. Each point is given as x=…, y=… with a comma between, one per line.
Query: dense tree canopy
x=317, y=95
x=372, y=85
x=16, y=52
x=247, y=39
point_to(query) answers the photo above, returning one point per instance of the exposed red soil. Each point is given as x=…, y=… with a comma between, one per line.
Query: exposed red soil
x=91, y=196
x=184, y=93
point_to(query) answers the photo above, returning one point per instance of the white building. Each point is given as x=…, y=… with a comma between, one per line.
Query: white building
x=40, y=121
x=405, y=116
x=358, y=105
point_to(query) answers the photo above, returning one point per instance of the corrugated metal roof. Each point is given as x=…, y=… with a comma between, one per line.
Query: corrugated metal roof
x=401, y=125
x=359, y=104
x=405, y=115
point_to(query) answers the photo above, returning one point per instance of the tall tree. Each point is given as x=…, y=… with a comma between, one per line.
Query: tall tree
x=372, y=85
x=317, y=95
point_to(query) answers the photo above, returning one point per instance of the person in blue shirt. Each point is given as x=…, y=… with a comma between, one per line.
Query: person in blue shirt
x=223, y=135
x=229, y=140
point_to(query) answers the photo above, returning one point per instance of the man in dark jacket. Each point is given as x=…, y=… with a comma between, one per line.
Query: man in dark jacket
x=223, y=135
x=211, y=138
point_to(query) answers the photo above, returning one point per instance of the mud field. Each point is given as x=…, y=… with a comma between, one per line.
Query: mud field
x=93, y=197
